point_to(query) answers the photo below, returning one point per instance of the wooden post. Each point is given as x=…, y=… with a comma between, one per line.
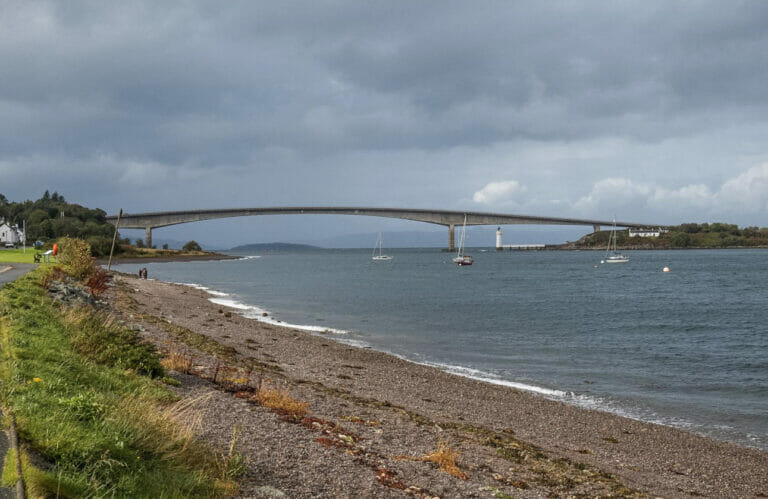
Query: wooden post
x=114, y=239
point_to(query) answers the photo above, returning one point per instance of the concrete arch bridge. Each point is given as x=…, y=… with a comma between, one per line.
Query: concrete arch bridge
x=447, y=218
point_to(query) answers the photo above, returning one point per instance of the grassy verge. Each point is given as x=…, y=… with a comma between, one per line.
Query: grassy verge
x=17, y=255
x=93, y=418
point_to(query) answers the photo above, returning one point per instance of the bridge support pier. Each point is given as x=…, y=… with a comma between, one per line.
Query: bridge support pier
x=451, y=244
x=148, y=240
x=596, y=228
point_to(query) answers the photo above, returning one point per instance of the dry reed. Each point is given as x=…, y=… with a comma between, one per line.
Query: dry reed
x=445, y=458
x=178, y=362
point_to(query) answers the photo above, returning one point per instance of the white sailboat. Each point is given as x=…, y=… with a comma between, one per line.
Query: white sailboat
x=380, y=256
x=612, y=255
x=461, y=259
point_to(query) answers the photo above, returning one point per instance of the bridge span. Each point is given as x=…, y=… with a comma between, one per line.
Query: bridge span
x=450, y=219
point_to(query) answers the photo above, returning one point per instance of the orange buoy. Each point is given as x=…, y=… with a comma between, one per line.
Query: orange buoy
x=55, y=249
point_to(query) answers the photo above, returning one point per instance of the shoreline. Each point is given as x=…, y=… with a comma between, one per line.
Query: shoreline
x=657, y=459
x=600, y=403
x=575, y=399
x=160, y=259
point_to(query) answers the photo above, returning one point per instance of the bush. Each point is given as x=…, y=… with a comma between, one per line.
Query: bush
x=192, y=246
x=100, y=245
x=75, y=256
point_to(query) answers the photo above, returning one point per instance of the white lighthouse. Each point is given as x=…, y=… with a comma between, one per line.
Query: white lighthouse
x=498, y=239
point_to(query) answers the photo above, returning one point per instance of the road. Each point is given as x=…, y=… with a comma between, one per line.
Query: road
x=12, y=271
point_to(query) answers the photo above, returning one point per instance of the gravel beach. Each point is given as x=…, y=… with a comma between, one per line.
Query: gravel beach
x=374, y=419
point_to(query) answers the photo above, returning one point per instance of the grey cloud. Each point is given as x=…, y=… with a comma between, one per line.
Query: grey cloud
x=368, y=101
x=138, y=73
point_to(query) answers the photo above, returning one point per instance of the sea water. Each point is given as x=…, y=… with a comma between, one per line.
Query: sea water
x=687, y=348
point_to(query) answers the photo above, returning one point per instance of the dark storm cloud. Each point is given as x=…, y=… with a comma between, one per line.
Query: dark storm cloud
x=225, y=101
x=190, y=82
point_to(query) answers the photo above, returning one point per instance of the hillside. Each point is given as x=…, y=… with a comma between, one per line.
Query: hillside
x=688, y=235
x=51, y=217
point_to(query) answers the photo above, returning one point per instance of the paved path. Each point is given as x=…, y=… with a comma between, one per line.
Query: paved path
x=9, y=272
x=12, y=271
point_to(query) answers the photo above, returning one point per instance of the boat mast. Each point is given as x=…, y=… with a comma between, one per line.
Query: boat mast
x=461, y=239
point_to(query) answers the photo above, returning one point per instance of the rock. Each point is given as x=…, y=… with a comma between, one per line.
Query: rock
x=269, y=491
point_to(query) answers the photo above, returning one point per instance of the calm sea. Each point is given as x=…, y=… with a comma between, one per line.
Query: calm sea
x=687, y=348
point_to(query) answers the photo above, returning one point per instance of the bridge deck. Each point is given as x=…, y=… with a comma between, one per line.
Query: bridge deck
x=152, y=220
x=439, y=217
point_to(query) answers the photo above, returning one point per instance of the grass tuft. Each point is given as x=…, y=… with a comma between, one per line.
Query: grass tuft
x=10, y=476
x=178, y=362
x=280, y=400
x=97, y=336
x=446, y=458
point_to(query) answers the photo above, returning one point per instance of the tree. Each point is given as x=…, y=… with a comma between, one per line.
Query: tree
x=139, y=243
x=100, y=245
x=680, y=239
x=192, y=246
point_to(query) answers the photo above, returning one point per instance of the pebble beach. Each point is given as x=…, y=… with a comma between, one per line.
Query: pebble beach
x=373, y=419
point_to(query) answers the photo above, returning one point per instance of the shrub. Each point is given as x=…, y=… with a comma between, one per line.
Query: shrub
x=97, y=282
x=75, y=256
x=192, y=246
x=100, y=245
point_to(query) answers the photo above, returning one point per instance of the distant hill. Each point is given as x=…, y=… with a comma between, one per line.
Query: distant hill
x=274, y=247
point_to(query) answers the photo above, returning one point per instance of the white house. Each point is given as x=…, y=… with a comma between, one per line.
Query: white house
x=10, y=233
x=646, y=232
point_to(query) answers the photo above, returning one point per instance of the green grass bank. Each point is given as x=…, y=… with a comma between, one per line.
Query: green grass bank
x=93, y=411
x=17, y=255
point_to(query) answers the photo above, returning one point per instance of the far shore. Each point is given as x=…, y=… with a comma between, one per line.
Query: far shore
x=386, y=409
x=170, y=258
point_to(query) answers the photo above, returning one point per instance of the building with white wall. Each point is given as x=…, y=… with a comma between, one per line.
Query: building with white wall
x=646, y=232
x=11, y=234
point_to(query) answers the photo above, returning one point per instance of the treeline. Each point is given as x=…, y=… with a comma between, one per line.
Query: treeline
x=51, y=217
x=687, y=235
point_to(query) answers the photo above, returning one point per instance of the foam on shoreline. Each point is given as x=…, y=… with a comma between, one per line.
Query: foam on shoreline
x=259, y=314
x=468, y=372
x=580, y=400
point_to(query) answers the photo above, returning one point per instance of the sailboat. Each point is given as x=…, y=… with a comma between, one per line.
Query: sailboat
x=461, y=259
x=612, y=255
x=380, y=256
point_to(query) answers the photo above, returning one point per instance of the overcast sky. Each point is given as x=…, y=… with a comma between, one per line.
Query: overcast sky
x=646, y=111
